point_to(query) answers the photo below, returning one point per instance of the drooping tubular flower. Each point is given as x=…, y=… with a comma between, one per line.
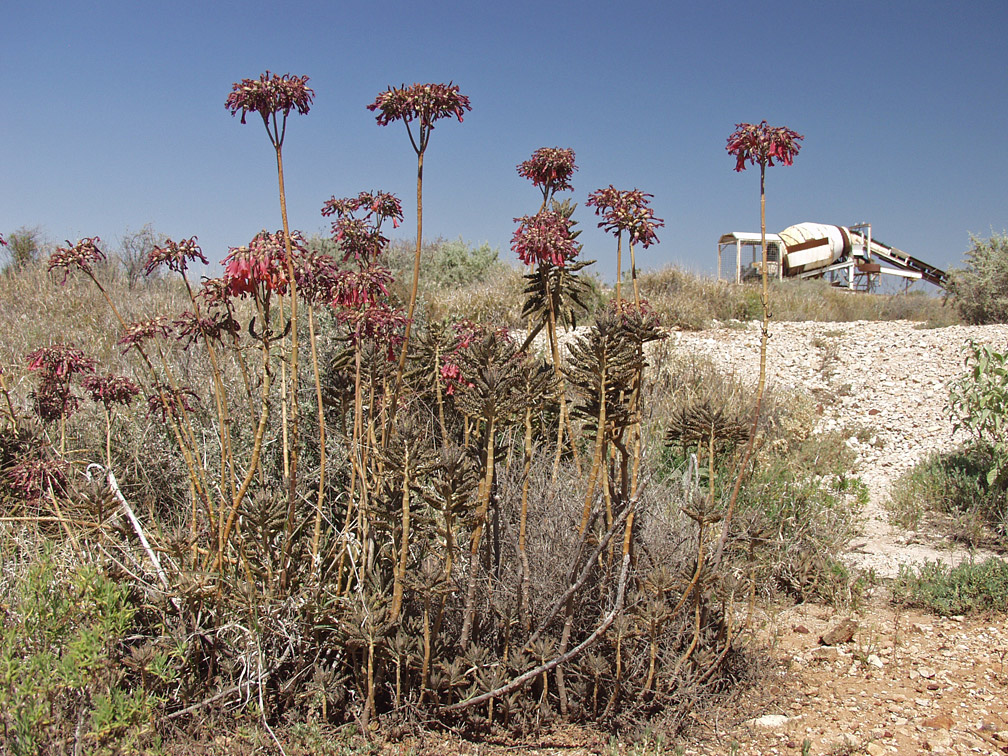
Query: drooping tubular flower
x=760, y=144
x=550, y=168
x=268, y=95
x=191, y=328
x=544, y=238
x=176, y=255
x=425, y=103
x=626, y=210
x=261, y=267
x=78, y=256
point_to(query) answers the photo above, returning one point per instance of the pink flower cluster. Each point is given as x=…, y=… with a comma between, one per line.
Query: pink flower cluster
x=80, y=256
x=544, y=238
x=426, y=103
x=261, y=268
x=176, y=255
x=762, y=144
x=550, y=168
x=270, y=94
x=626, y=210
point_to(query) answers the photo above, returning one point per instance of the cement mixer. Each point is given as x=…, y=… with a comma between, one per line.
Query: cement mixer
x=848, y=255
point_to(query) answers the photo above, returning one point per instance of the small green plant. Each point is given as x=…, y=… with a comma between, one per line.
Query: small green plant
x=966, y=588
x=979, y=405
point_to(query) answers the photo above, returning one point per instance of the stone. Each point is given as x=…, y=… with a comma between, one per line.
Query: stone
x=939, y=722
x=874, y=749
x=769, y=721
x=842, y=633
x=926, y=672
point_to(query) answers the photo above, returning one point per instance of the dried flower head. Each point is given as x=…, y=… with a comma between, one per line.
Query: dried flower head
x=143, y=330
x=110, y=389
x=626, y=210
x=544, y=238
x=176, y=255
x=550, y=168
x=760, y=144
x=78, y=256
x=270, y=94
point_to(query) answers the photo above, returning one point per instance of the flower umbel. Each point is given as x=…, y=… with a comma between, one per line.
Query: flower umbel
x=544, y=238
x=760, y=144
x=425, y=103
x=110, y=389
x=550, y=168
x=270, y=94
x=143, y=330
x=626, y=210
x=80, y=256
x=176, y=255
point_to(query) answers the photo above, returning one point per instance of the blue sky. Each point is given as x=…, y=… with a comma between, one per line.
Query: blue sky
x=113, y=116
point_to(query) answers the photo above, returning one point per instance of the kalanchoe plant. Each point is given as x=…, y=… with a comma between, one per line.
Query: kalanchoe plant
x=273, y=97
x=758, y=144
x=550, y=169
x=629, y=211
x=141, y=331
x=419, y=105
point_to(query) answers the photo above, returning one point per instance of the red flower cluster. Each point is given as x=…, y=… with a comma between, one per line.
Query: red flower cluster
x=143, y=330
x=270, y=94
x=110, y=389
x=424, y=102
x=626, y=210
x=550, y=168
x=80, y=256
x=761, y=144
x=57, y=365
x=34, y=476
x=176, y=255
x=544, y=238
x=360, y=238
x=261, y=267
x=59, y=362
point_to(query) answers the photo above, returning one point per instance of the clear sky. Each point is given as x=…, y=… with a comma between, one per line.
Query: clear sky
x=113, y=115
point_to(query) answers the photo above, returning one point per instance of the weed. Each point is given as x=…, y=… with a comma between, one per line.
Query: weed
x=967, y=588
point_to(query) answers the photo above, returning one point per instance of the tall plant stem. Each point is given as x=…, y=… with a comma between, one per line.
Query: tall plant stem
x=761, y=384
x=564, y=419
x=322, y=435
x=294, y=411
x=619, y=264
x=413, y=290
x=485, y=489
x=633, y=275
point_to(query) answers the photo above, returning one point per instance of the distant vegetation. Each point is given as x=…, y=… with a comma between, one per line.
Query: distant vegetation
x=980, y=288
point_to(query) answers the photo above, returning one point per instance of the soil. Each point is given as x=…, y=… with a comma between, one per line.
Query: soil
x=906, y=682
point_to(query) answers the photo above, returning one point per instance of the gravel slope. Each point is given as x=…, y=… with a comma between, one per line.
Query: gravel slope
x=890, y=379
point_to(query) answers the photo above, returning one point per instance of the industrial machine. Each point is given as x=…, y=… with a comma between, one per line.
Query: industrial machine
x=847, y=255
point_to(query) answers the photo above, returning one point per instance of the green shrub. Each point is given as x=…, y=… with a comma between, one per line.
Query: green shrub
x=61, y=673
x=969, y=587
x=980, y=289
